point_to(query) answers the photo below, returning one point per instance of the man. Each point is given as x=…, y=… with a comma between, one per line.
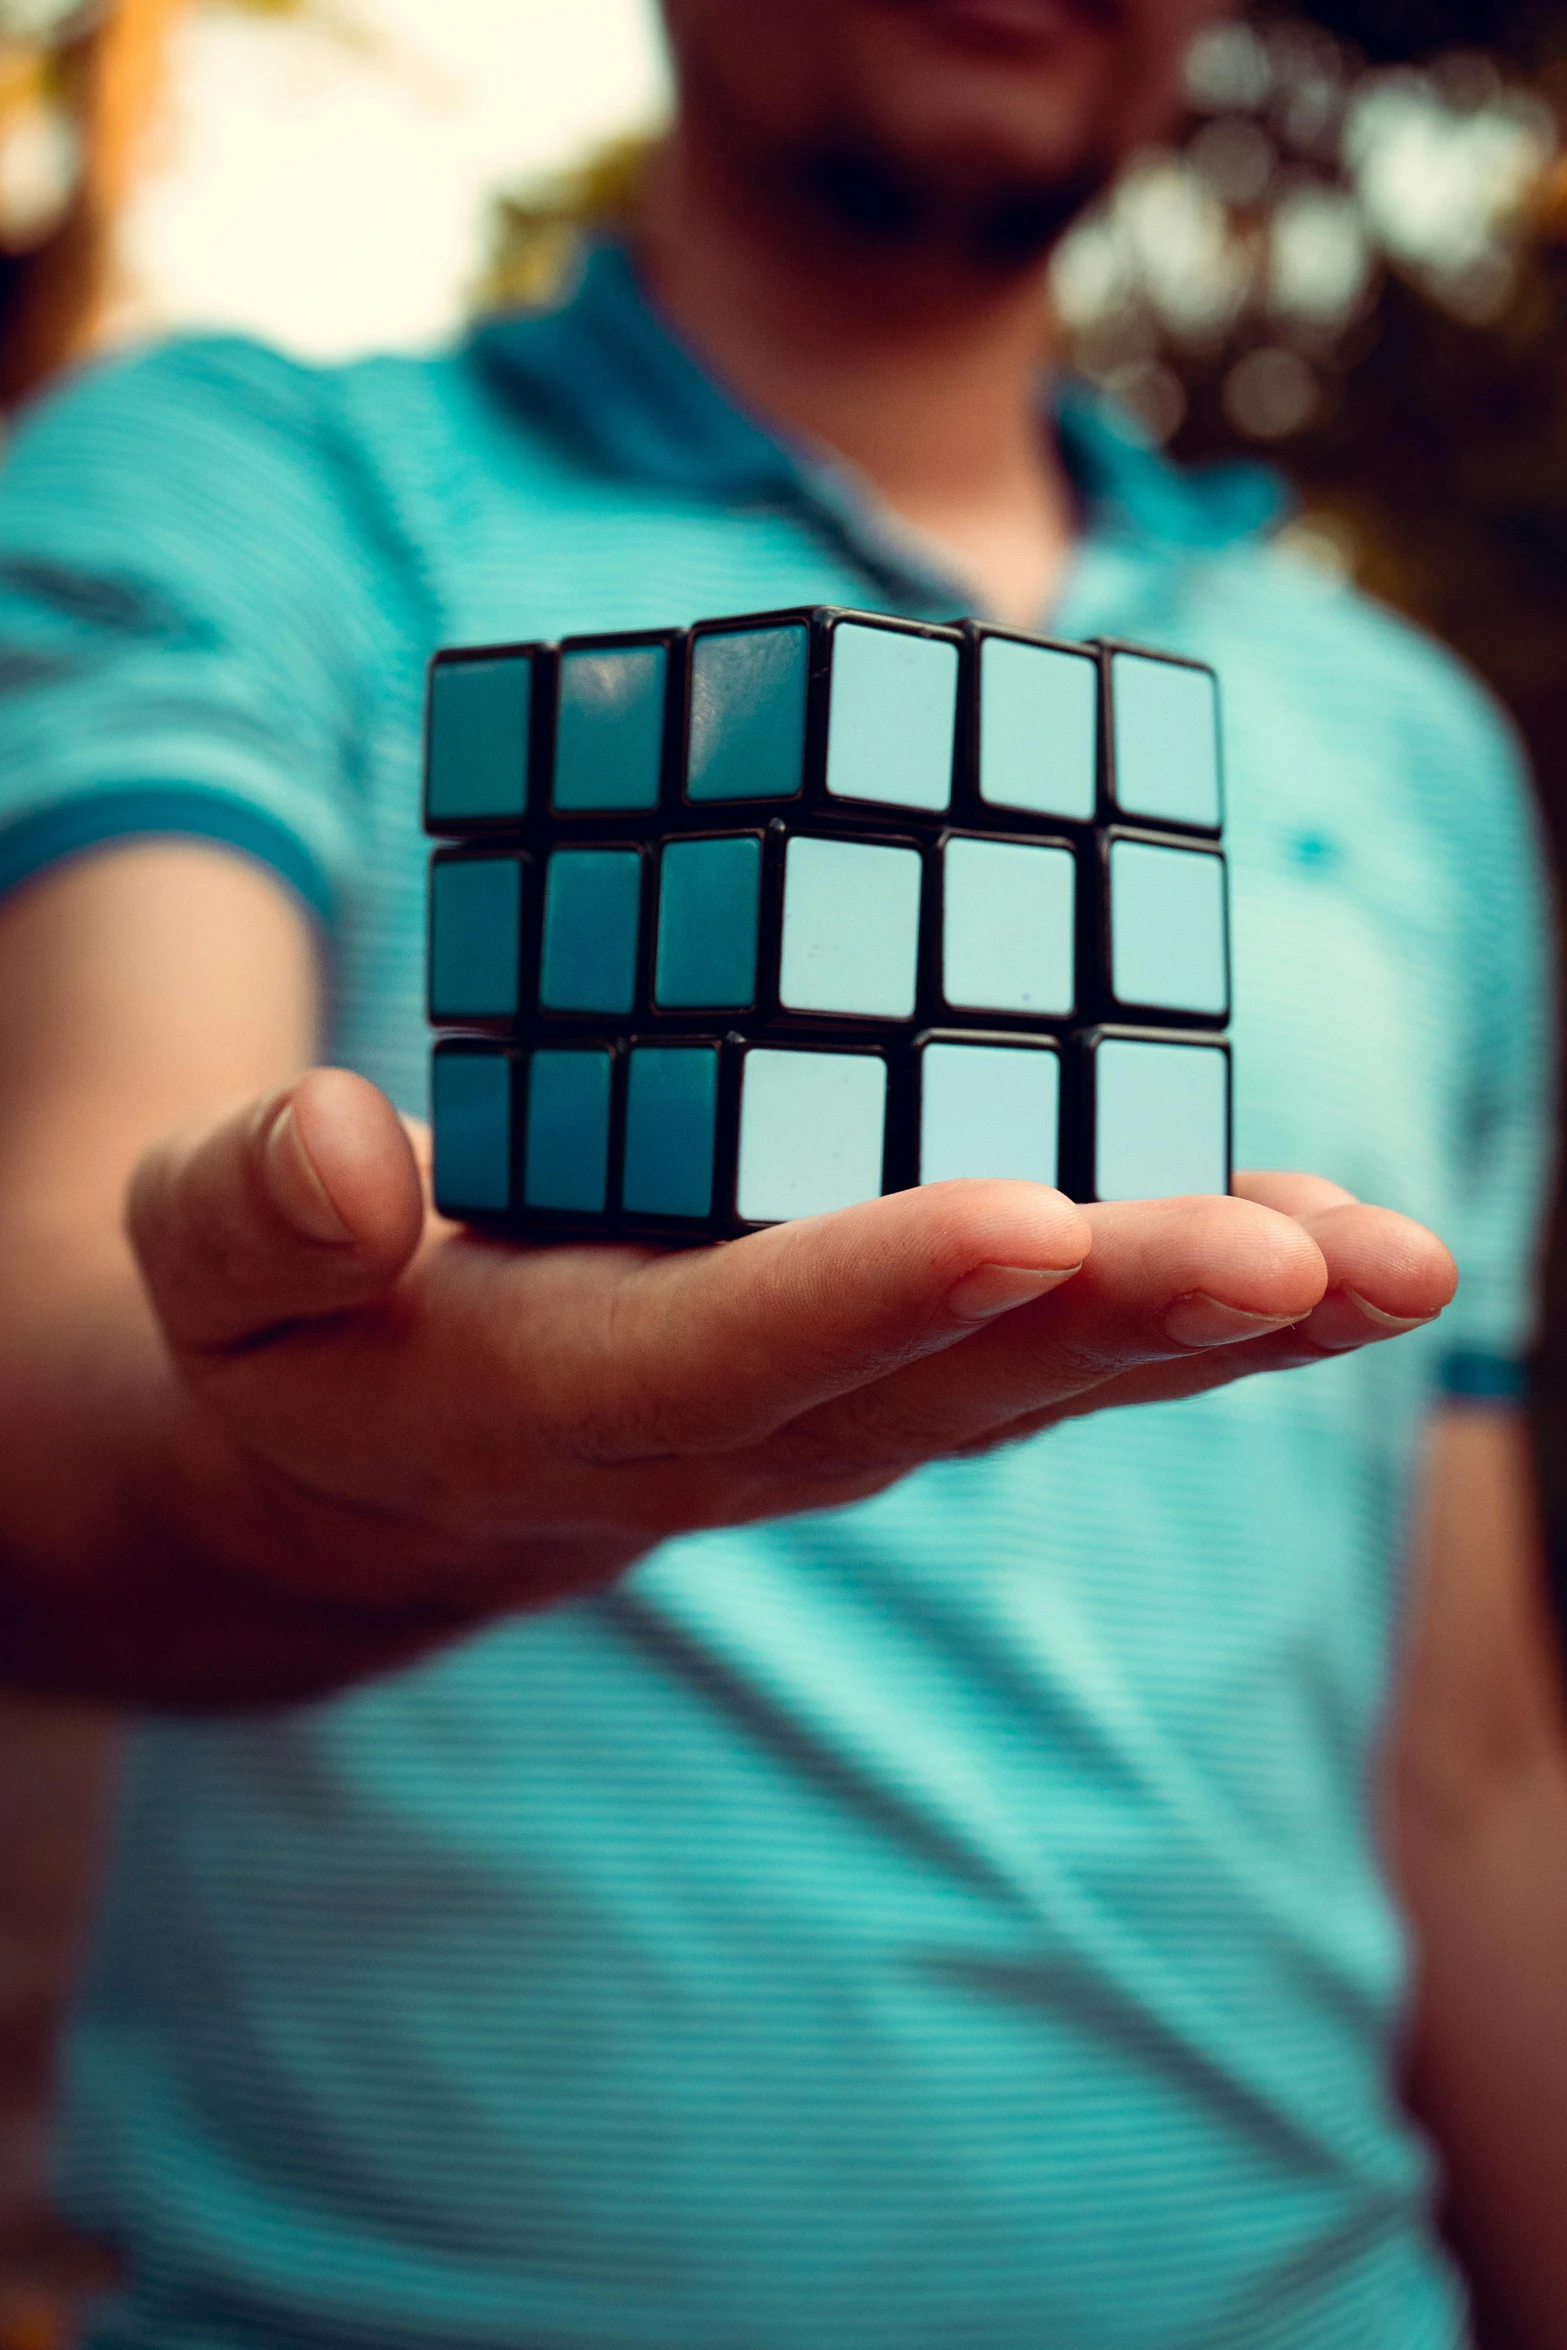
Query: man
x=671, y=1824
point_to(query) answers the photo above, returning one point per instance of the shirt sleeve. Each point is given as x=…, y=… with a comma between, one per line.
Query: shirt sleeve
x=187, y=617
x=1504, y=1147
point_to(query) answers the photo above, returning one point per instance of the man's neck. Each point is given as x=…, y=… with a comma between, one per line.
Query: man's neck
x=923, y=377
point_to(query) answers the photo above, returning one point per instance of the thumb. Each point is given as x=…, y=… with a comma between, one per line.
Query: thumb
x=306, y=1202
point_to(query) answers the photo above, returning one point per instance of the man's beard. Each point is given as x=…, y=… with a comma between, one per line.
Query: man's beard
x=879, y=200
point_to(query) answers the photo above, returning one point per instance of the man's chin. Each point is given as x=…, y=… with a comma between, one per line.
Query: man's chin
x=1001, y=221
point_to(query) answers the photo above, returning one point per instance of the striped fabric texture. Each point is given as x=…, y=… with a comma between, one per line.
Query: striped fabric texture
x=954, y=1920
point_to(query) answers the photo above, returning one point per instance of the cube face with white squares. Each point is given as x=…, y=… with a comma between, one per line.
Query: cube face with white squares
x=762, y=918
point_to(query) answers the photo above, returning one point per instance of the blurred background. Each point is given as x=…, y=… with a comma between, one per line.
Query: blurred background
x=1352, y=265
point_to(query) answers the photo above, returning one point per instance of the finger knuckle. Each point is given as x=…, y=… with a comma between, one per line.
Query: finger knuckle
x=860, y=1434
x=615, y=1400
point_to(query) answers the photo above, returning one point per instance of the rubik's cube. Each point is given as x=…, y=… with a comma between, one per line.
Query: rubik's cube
x=760, y=918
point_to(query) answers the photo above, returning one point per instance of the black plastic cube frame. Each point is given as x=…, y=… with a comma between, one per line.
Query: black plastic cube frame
x=775, y=820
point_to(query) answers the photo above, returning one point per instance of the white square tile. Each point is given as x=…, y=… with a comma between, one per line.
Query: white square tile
x=892, y=717
x=1009, y=928
x=989, y=1110
x=1162, y=1119
x=850, y=929
x=810, y=1133
x=1038, y=728
x=1166, y=740
x=1167, y=928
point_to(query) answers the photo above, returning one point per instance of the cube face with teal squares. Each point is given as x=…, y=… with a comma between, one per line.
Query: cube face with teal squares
x=764, y=917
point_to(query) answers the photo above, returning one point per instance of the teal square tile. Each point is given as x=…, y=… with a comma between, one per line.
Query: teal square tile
x=609, y=728
x=892, y=717
x=1038, y=729
x=1161, y=1119
x=671, y=1128
x=566, y=1155
x=476, y=753
x=708, y=904
x=475, y=938
x=1168, y=947
x=1166, y=741
x=747, y=732
x=471, y=1115
x=592, y=908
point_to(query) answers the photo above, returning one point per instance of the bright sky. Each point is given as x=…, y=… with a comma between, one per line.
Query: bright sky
x=328, y=189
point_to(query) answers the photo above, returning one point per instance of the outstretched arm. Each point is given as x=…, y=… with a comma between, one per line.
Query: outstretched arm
x=1479, y=1820
x=295, y=1427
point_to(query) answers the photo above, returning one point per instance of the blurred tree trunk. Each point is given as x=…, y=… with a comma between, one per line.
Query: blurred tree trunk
x=56, y=1770
x=53, y=296
x=57, y=1762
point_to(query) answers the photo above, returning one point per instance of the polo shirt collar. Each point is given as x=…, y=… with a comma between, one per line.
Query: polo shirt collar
x=603, y=373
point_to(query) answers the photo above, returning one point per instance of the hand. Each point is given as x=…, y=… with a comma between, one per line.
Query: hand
x=430, y=1420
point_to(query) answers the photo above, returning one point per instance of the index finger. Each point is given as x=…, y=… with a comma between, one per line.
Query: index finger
x=1166, y=1278
x=716, y=1348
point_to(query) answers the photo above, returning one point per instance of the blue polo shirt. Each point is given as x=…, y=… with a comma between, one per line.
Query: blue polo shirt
x=953, y=1920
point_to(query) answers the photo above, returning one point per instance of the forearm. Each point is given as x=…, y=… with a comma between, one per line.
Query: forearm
x=137, y=988
x=143, y=1557
x=1487, y=1890
x=1479, y=1819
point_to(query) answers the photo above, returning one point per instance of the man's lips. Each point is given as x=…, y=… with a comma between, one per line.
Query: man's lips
x=1018, y=23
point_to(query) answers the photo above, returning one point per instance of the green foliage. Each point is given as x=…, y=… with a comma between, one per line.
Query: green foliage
x=1359, y=271
x=1428, y=439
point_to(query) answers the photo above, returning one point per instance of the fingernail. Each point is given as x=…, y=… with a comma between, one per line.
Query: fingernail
x=1374, y=1314
x=1347, y=1320
x=297, y=1191
x=1200, y=1320
x=997, y=1289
